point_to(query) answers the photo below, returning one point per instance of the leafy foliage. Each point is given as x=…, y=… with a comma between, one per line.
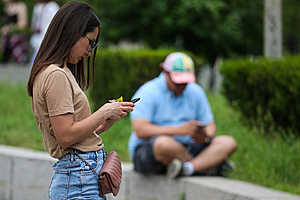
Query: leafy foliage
x=266, y=90
x=210, y=28
x=290, y=23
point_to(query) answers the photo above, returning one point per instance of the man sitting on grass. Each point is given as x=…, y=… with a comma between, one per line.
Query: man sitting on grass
x=173, y=128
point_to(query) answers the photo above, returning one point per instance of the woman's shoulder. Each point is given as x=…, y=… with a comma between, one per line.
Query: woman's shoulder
x=52, y=69
x=52, y=73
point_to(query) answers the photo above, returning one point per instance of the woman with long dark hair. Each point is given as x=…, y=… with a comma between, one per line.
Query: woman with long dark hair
x=58, y=77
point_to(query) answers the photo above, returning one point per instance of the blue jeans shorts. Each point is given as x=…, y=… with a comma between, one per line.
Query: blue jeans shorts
x=73, y=179
x=144, y=161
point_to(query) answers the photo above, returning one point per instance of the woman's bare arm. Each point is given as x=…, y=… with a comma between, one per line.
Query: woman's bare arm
x=68, y=132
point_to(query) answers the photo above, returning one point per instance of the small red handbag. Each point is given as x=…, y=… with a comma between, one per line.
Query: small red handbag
x=110, y=176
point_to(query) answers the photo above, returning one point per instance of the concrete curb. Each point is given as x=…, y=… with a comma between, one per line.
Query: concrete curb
x=14, y=73
x=26, y=175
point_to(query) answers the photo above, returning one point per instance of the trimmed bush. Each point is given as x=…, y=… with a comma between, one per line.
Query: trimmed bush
x=265, y=90
x=122, y=72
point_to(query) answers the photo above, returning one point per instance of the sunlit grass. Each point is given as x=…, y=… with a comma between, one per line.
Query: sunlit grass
x=17, y=125
x=265, y=159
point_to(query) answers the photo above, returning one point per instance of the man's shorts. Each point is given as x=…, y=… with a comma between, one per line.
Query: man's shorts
x=145, y=162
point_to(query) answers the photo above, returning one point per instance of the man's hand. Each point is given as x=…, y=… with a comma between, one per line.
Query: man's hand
x=203, y=133
x=190, y=127
x=196, y=130
x=200, y=136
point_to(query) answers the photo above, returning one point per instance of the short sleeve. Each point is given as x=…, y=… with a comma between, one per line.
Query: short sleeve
x=58, y=94
x=145, y=108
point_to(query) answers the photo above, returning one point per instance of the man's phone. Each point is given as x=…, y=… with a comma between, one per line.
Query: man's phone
x=135, y=100
x=199, y=127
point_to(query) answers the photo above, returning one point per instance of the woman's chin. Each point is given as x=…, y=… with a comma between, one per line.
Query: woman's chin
x=74, y=62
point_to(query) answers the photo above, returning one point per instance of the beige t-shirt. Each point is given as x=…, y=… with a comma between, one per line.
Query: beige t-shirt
x=56, y=92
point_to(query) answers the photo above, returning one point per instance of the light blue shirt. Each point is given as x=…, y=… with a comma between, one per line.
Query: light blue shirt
x=161, y=107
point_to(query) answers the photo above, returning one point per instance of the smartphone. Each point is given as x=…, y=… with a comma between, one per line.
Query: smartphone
x=135, y=100
x=199, y=127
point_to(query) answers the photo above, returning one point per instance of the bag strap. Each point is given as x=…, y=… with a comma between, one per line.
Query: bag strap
x=85, y=162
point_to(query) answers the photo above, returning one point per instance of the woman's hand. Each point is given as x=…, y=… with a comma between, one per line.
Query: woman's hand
x=116, y=110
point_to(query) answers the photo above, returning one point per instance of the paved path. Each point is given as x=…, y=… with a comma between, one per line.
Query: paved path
x=14, y=73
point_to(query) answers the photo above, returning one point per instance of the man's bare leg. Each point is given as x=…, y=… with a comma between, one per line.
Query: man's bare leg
x=165, y=149
x=218, y=151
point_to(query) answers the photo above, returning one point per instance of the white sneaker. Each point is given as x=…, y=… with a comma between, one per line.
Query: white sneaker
x=175, y=168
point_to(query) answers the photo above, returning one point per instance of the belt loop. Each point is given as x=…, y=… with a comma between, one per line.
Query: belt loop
x=72, y=156
x=103, y=154
x=97, y=156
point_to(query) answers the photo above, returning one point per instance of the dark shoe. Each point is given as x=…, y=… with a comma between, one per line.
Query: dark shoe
x=222, y=170
x=226, y=168
x=175, y=169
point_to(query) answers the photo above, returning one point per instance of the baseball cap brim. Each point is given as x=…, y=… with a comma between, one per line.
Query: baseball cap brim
x=182, y=77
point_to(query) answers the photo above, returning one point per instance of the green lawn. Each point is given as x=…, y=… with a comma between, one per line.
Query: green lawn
x=270, y=161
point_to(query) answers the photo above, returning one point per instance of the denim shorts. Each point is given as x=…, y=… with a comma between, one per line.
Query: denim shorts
x=73, y=179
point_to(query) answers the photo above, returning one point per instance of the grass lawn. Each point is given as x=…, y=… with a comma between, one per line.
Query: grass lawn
x=271, y=161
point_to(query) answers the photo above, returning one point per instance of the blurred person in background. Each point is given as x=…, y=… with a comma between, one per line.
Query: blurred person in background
x=173, y=127
x=14, y=43
x=43, y=12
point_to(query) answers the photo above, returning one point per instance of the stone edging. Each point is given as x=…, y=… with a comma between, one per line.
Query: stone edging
x=26, y=175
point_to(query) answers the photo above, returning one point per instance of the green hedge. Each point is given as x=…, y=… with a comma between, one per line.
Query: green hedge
x=121, y=72
x=267, y=91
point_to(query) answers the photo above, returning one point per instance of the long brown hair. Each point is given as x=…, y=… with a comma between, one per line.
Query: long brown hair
x=71, y=22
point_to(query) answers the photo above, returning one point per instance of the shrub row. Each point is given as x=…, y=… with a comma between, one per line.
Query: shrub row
x=121, y=72
x=265, y=90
